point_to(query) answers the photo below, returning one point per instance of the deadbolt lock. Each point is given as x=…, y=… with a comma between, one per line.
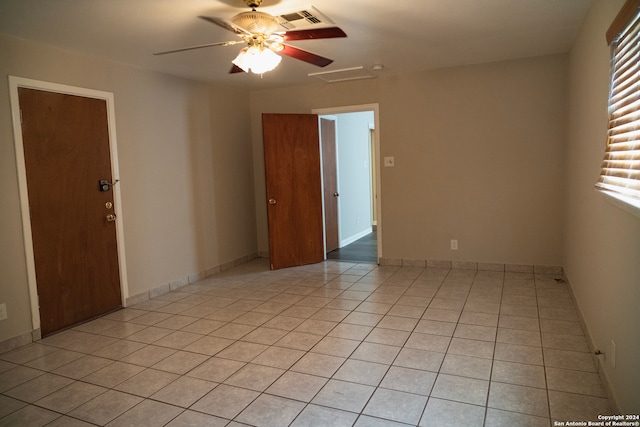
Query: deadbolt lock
x=105, y=184
x=272, y=201
x=108, y=205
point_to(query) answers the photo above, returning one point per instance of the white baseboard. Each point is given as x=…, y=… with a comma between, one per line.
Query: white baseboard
x=358, y=236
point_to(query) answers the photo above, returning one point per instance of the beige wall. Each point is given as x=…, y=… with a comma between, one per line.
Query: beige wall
x=478, y=153
x=494, y=155
x=602, y=240
x=185, y=159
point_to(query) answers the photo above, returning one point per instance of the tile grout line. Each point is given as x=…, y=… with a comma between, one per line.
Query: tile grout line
x=245, y=285
x=493, y=355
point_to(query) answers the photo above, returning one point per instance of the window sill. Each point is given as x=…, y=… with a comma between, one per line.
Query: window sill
x=628, y=204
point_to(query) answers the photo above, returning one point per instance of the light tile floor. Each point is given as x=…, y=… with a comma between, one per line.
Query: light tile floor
x=331, y=344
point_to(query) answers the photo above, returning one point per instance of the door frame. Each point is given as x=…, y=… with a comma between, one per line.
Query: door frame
x=19, y=82
x=376, y=122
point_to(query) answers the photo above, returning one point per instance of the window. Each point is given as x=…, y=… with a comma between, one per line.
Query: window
x=620, y=172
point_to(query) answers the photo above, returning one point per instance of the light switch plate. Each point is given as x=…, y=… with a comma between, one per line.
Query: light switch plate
x=389, y=162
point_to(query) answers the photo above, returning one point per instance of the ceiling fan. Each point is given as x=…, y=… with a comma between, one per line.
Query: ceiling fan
x=259, y=31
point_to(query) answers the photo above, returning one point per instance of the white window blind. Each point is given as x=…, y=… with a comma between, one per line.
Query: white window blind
x=620, y=171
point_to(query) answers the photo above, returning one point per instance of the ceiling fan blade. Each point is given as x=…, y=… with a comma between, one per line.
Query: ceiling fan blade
x=318, y=33
x=305, y=56
x=227, y=25
x=235, y=69
x=230, y=43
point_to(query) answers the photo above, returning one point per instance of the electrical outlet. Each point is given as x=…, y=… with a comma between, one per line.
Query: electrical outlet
x=612, y=353
x=454, y=245
x=3, y=311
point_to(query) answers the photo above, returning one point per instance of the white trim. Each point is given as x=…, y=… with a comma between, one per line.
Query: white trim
x=14, y=84
x=628, y=204
x=376, y=119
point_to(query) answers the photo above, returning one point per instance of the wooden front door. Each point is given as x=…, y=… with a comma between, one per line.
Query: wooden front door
x=294, y=194
x=330, y=180
x=66, y=148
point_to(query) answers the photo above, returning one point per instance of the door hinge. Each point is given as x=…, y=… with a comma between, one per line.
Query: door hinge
x=21, y=122
x=38, y=298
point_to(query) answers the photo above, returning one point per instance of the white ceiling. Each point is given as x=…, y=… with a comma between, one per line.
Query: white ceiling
x=405, y=36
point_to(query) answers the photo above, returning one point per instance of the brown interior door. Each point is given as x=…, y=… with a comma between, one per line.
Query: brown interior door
x=294, y=194
x=66, y=147
x=330, y=179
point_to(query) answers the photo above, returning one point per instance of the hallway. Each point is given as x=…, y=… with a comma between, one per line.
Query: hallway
x=364, y=249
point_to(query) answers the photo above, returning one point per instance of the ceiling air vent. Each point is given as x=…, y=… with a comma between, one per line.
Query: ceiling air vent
x=345, y=74
x=303, y=19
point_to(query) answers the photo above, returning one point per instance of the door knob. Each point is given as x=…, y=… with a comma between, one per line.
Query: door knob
x=272, y=201
x=336, y=194
x=111, y=217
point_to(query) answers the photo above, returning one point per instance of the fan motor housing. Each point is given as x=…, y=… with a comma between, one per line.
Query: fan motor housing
x=256, y=22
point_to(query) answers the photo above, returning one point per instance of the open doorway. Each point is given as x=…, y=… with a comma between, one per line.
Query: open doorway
x=356, y=184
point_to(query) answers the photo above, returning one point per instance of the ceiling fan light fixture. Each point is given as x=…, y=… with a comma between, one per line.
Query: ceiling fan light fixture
x=257, y=59
x=260, y=31
x=275, y=42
